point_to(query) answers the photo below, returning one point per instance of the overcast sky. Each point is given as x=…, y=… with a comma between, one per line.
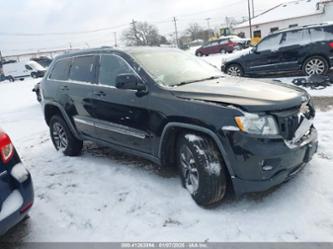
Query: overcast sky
x=47, y=16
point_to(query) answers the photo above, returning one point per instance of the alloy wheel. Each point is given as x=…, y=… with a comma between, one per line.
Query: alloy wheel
x=59, y=137
x=234, y=71
x=315, y=66
x=189, y=169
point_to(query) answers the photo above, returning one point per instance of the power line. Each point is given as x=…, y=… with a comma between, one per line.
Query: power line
x=109, y=28
x=79, y=34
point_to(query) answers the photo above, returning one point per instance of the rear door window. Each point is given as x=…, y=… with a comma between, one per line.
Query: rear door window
x=83, y=69
x=212, y=44
x=110, y=67
x=61, y=69
x=224, y=41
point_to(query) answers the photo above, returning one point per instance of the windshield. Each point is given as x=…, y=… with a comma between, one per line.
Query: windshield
x=173, y=67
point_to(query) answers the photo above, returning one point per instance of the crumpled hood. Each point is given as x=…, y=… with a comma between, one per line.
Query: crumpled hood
x=250, y=95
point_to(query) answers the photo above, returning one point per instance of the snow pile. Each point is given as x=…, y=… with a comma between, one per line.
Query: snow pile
x=13, y=203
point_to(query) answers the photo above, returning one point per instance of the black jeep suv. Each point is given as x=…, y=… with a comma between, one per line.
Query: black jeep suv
x=307, y=49
x=175, y=109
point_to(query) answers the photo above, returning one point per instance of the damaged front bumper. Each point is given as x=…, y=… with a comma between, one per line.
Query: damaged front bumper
x=260, y=164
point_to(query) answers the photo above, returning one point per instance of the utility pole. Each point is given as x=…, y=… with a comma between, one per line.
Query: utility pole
x=252, y=8
x=208, y=19
x=176, y=31
x=1, y=71
x=115, y=39
x=250, y=24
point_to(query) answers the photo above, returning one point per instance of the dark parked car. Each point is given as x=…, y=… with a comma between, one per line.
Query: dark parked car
x=43, y=61
x=225, y=45
x=219, y=132
x=307, y=49
x=16, y=191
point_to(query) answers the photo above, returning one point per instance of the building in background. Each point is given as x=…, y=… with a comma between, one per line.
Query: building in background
x=288, y=15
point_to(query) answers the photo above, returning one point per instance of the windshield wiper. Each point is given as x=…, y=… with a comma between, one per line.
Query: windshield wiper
x=194, y=81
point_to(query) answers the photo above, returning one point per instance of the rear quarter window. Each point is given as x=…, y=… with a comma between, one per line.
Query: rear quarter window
x=319, y=34
x=60, y=70
x=329, y=33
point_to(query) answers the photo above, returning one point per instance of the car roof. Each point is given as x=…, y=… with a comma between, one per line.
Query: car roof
x=303, y=27
x=129, y=50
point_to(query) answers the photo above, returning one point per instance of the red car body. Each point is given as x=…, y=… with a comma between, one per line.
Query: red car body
x=217, y=46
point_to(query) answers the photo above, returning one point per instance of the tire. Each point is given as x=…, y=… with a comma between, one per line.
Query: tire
x=315, y=65
x=11, y=78
x=39, y=97
x=235, y=70
x=62, y=137
x=223, y=51
x=198, y=54
x=33, y=75
x=206, y=181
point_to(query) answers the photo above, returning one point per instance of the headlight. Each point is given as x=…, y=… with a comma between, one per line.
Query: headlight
x=255, y=124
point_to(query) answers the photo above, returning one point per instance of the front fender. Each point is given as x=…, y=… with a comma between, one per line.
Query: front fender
x=204, y=130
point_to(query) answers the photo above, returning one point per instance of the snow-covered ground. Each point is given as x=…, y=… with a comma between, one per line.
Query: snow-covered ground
x=108, y=196
x=216, y=60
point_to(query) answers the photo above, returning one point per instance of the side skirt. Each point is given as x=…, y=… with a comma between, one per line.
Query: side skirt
x=123, y=149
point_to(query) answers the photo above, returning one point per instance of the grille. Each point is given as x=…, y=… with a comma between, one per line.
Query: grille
x=289, y=120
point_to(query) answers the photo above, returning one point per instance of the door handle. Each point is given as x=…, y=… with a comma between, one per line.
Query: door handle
x=100, y=93
x=64, y=88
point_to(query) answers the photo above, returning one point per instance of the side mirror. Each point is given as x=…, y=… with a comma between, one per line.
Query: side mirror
x=130, y=82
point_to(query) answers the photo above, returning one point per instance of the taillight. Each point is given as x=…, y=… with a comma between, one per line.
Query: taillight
x=6, y=147
x=26, y=207
x=330, y=44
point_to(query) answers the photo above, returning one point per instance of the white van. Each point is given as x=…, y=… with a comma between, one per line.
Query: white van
x=20, y=70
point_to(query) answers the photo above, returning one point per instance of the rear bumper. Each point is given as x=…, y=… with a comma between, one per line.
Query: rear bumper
x=251, y=158
x=25, y=190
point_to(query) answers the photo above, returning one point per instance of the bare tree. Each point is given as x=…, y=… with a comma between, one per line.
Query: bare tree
x=194, y=30
x=142, y=34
